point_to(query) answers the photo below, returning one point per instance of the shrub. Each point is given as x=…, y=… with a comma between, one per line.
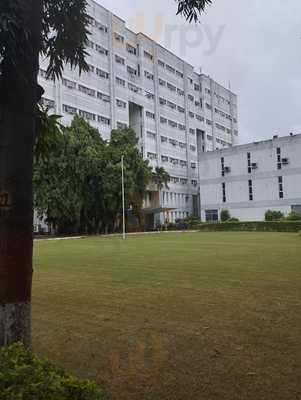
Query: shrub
x=258, y=226
x=272, y=215
x=233, y=220
x=293, y=216
x=225, y=215
x=25, y=376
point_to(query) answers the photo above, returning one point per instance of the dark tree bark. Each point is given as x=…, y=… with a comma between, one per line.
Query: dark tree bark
x=19, y=94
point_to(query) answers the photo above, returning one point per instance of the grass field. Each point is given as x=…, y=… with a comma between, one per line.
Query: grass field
x=198, y=316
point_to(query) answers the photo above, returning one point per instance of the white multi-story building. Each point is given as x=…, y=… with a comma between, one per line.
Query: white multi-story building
x=176, y=112
x=250, y=179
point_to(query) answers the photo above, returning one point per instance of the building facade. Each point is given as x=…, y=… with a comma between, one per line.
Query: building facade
x=250, y=179
x=177, y=113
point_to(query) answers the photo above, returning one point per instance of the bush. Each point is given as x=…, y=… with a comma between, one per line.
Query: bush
x=26, y=377
x=271, y=215
x=293, y=216
x=259, y=226
x=232, y=220
x=225, y=215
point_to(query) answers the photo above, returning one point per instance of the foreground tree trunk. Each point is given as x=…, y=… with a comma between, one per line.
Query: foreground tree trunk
x=18, y=97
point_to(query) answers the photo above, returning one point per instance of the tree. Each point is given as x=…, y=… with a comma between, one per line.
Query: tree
x=56, y=28
x=191, y=9
x=225, y=215
x=78, y=186
x=160, y=178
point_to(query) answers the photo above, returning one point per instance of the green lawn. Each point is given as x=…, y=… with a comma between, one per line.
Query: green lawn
x=198, y=316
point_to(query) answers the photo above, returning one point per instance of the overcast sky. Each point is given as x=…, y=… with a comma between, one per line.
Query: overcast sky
x=254, y=44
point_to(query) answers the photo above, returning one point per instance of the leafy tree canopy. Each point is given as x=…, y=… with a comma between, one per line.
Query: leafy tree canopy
x=191, y=9
x=63, y=39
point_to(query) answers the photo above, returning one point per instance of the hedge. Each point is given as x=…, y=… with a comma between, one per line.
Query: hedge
x=258, y=226
x=23, y=376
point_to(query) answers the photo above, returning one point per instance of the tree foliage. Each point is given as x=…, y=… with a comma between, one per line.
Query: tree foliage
x=63, y=39
x=191, y=9
x=78, y=186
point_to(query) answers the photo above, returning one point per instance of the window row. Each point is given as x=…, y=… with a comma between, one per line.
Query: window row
x=86, y=90
x=86, y=115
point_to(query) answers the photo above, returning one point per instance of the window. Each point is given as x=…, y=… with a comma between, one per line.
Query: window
x=69, y=109
x=163, y=139
x=162, y=82
x=249, y=163
x=120, y=82
x=181, y=110
x=131, y=49
x=121, y=125
x=172, y=124
x=224, y=192
x=86, y=90
x=211, y=215
x=180, y=74
x=163, y=120
x=87, y=115
x=151, y=135
x=104, y=120
x=279, y=162
x=152, y=156
x=131, y=70
x=251, y=197
x=119, y=60
x=101, y=27
x=150, y=115
x=49, y=104
x=148, y=75
x=104, y=97
x=192, y=148
x=161, y=64
x=149, y=95
x=69, y=84
x=180, y=92
x=171, y=105
x=102, y=74
x=199, y=118
x=222, y=164
x=190, y=97
x=134, y=88
x=148, y=55
x=118, y=37
x=171, y=87
x=120, y=103
x=101, y=50
x=280, y=184
x=170, y=69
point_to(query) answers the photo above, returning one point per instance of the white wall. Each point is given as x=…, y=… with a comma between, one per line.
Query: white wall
x=265, y=179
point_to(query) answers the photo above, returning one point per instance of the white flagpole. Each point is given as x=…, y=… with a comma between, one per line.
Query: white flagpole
x=123, y=197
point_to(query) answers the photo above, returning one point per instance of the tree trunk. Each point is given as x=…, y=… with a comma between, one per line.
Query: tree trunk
x=18, y=97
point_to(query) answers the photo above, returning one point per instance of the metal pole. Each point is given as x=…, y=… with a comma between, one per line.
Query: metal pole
x=123, y=197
